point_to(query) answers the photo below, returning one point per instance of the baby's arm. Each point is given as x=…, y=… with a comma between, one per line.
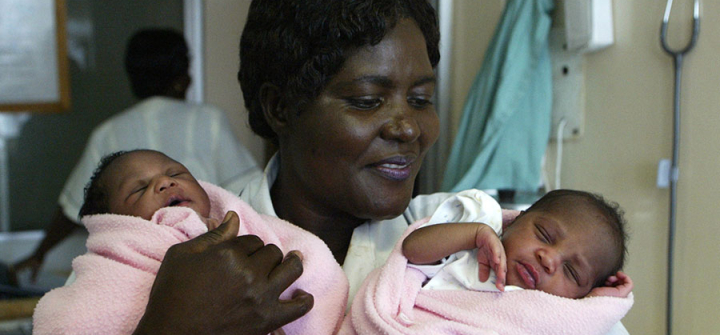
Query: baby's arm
x=618, y=286
x=430, y=244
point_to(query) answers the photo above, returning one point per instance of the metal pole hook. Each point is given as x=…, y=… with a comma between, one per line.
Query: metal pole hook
x=695, y=32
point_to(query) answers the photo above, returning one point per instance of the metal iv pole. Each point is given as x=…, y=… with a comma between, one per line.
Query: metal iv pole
x=677, y=56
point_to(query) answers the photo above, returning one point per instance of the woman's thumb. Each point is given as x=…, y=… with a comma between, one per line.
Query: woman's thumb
x=227, y=230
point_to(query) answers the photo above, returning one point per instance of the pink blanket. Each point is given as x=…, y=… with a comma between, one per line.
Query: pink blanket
x=391, y=301
x=124, y=253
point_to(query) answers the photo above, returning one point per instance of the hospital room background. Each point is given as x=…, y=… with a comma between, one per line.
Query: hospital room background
x=623, y=127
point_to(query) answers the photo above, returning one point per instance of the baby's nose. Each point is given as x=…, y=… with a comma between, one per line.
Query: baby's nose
x=164, y=183
x=548, y=259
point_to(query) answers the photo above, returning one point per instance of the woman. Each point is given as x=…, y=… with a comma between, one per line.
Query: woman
x=344, y=89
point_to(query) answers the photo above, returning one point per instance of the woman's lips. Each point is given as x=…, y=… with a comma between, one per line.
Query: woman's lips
x=528, y=274
x=395, y=168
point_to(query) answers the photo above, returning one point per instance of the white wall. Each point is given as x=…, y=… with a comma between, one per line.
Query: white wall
x=628, y=128
x=224, y=20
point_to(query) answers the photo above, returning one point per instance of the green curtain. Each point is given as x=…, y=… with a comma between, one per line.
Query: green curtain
x=506, y=120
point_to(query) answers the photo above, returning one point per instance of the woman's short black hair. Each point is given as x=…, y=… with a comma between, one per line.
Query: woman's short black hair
x=96, y=194
x=298, y=45
x=611, y=211
x=154, y=59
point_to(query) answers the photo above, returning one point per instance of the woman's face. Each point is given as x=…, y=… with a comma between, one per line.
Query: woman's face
x=356, y=150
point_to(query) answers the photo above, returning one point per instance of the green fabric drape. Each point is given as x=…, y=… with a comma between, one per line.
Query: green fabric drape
x=506, y=120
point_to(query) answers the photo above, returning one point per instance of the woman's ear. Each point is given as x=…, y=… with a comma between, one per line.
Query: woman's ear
x=273, y=106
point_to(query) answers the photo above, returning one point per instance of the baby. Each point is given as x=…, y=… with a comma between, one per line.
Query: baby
x=566, y=246
x=568, y=243
x=140, y=203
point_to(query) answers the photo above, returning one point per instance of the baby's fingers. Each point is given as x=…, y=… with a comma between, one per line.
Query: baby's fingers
x=492, y=256
x=625, y=280
x=486, y=261
x=611, y=281
x=483, y=272
x=501, y=272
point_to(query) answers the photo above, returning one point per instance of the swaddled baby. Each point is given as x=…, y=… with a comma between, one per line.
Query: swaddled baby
x=140, y=203
x=558, y=262
x=569, y=243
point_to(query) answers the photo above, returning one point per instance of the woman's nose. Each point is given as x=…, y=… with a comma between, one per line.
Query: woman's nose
x=164, y=182
x=402, y=127
x=548, y=259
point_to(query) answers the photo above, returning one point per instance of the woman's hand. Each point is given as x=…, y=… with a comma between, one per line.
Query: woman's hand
x=490, y=255
x=618, y=286
x=219, y=283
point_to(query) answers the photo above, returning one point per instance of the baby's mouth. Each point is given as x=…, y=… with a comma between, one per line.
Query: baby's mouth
x=528, y=274
x=175, y=201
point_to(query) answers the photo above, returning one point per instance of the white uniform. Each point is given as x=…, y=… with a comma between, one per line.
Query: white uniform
x=198, y=136
x=372, y=241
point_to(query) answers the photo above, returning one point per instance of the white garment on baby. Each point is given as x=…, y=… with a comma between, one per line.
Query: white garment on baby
x=460, y=270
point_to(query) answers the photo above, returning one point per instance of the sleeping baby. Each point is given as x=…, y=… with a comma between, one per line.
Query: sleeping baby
x=569, y=243
x=558, y=262
x=140, y=203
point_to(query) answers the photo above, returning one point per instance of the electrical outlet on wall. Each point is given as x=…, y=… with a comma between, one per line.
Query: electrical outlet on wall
x=568, y=87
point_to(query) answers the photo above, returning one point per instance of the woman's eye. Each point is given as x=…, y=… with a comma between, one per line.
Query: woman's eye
x=364, y=103
x=420, y=102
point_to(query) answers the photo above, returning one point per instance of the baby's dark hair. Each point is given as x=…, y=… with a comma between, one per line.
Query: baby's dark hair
x=613, y=217
x=96, y=195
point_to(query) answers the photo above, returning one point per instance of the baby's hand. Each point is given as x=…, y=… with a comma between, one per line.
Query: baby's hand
x=278, y=332
x=491, y=255
x=618, y=286
x=211, y=223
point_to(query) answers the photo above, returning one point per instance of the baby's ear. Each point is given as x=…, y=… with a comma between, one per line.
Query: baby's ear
x=509, y=216
x=519, y=216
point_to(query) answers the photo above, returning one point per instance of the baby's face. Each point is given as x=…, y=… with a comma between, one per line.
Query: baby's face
x=558, y=252
x=141, y=182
